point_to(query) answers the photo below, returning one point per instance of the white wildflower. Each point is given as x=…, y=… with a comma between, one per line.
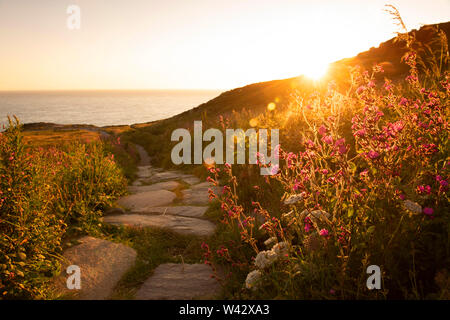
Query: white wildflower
x=293, y=199
x=319, y=214
x=252, y=279
x=412, y=206
x=303, y=213
x=281, y=249
x=270, y=241
x=265, y=258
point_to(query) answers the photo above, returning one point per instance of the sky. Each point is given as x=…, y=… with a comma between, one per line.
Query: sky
x=189, y=44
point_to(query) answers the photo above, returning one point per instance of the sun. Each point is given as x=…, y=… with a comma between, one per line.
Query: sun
x=314, y=70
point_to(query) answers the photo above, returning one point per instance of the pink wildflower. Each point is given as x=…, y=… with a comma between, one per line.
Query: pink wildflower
x=428, y=211
x=373, y=154
x=328, y=139
x=307, y=227
x=322, y=130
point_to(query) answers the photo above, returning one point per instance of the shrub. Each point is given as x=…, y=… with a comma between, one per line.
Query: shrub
x=44, y=194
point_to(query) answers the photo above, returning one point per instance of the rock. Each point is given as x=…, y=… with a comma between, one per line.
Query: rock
x=102, y=263
x=179, y=282
x=191, y=180
x=145, y=171
x=197, y=198
x=198, y=194
x=144, y=200
x=137, y=183
x=181, y=225
x=168, y=185
x=204, y=185
x=186, y=211
x=168, y=175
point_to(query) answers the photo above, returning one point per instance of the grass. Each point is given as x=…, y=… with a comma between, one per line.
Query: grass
x=52, y=138
x=125, y=153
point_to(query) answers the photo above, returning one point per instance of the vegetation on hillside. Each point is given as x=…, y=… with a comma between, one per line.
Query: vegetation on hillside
x=363, y=181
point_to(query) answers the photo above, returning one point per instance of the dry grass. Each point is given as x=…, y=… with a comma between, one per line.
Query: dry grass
x=47, y=138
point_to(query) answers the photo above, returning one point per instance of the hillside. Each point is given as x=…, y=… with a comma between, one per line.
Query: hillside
x=256, y=96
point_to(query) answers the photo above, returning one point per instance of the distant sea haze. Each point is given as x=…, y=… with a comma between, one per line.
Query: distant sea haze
x=100, y=108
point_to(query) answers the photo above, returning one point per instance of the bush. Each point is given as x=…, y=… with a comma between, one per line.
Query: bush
x=44, y=194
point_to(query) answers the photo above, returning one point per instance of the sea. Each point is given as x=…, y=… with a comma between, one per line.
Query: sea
x=100, y=108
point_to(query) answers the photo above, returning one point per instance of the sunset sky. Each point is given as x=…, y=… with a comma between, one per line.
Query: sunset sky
x=146, y=44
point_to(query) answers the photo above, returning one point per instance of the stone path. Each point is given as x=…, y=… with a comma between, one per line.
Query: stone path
x=157, y=200
x=151, y=202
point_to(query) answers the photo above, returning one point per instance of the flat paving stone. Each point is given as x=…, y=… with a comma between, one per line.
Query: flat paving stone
x=172, y=281
x=167, y=185
x=145, y=171
x=204, y=185
x=198, y=194
x=144, y=200
x=168, y=175
x=191, y=180
x=102, y=263
x=195, y=198
x=186, y=211
x=181, y=225
x=137, y=183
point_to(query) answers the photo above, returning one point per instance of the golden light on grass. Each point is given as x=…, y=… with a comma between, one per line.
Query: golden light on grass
x=271, y=106
x=47, y=138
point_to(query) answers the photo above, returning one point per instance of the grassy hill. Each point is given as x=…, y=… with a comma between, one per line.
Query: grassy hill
x=252, y=100
x=256, y=96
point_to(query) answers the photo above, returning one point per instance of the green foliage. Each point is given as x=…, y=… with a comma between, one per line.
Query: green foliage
x=45, y=195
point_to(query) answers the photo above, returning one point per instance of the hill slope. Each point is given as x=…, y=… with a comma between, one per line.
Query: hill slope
x=257, y=96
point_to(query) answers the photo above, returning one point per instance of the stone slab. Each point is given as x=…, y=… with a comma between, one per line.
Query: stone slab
x=179, y=282
x=167, y=185
x=102, y=263
x=142, y=201
x=186, y=211
x=181, y=225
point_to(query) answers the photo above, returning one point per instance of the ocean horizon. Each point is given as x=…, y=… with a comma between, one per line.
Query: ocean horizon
x=99, y=107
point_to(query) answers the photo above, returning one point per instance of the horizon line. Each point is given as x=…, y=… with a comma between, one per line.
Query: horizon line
x=114, y=89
